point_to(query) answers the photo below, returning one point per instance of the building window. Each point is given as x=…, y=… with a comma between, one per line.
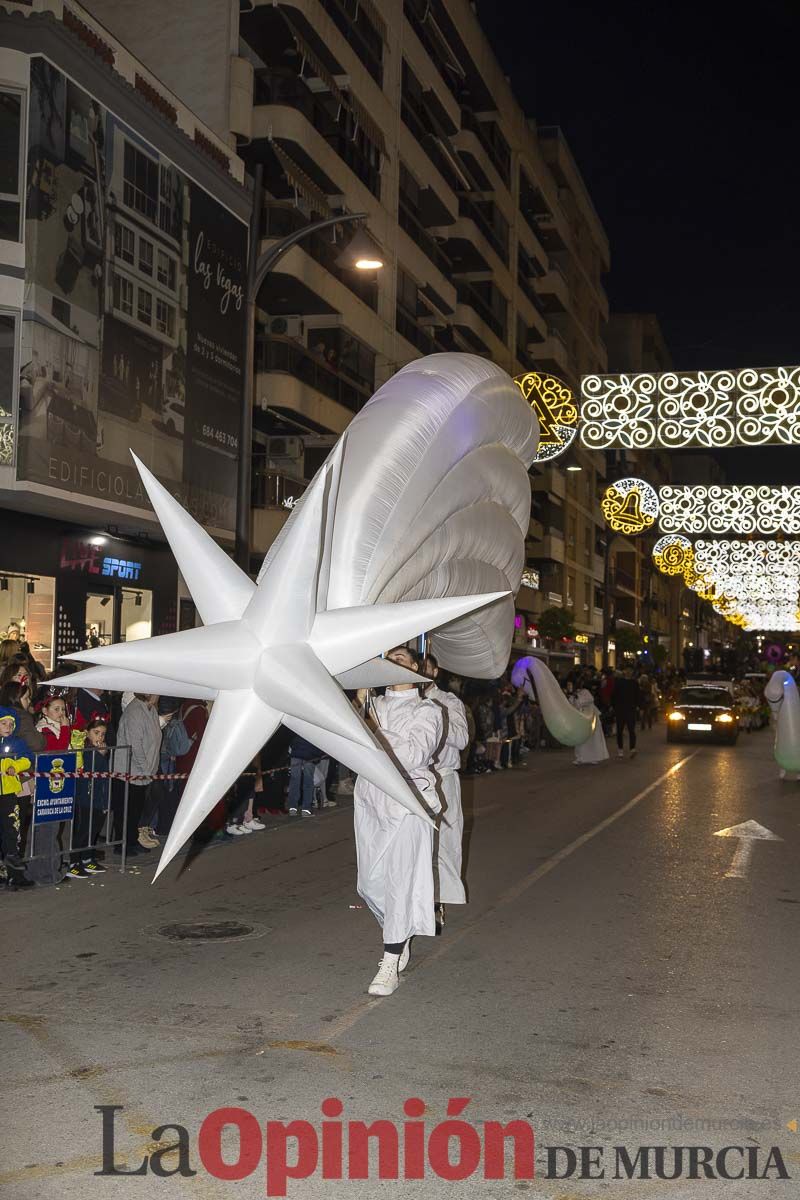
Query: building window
x=145, y=307
x=123, y=295
x=145, y=256
x=140, y=182
x=10, y=164
x=124, y=243
x=166, y=270
x=165, y=317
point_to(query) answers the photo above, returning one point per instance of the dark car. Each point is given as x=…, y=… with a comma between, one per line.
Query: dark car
x=704, y=712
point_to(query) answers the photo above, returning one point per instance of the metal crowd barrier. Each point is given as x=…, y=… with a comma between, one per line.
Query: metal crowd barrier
x=78, y=795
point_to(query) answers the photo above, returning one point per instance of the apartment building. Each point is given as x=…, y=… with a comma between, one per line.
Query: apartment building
x=489, y=237
x=123, y=250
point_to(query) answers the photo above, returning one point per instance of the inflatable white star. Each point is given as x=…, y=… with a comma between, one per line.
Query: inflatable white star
x=268, y=655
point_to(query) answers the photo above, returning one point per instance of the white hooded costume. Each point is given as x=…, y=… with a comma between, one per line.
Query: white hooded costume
x=446, y=763
x=394, y=848
x=595, y=749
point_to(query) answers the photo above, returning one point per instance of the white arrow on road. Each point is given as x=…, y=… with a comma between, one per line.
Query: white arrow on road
x=747, y=833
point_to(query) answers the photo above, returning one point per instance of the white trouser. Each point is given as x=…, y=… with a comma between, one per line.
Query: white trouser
x=447, y=866
x=395, y=865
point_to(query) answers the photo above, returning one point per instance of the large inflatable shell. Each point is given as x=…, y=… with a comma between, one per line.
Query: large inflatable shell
x=430, y=497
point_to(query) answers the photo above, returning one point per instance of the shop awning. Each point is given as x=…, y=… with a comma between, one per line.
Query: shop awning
x=301, y=182
x=341, y=96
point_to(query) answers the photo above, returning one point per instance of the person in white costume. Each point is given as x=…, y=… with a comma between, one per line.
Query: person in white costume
x=595, y=750
x=394, y=848
x=446, y=762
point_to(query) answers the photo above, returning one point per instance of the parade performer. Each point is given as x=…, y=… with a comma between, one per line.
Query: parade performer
x=595, y=749
x=784, y=700
x=394, y=848
x=446, y=762
x=15, y=759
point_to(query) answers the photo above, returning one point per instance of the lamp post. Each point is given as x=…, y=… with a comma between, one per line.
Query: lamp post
x=258, y=267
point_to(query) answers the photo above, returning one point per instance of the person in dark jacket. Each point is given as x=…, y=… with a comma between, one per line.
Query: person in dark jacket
x=303, y=758
x=625, y=699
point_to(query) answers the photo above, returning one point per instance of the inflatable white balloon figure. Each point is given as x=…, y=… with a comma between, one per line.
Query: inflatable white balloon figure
x=781, y=692
x=416, y=522
x=565, y=723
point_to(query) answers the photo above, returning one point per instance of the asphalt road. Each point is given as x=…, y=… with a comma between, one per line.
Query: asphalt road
x=609, y=982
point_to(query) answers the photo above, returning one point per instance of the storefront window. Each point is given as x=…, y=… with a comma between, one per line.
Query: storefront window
x=27, y=608
x=99, y=619
x=137, y=615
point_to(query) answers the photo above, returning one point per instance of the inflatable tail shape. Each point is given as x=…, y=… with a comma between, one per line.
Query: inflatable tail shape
x=565, y=723
x=781, y=691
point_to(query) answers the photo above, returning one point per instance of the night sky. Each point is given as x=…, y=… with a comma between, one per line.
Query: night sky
x=685, y=122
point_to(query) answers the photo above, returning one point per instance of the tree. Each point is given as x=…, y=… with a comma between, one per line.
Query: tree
x=628, y=641
x=557, y=623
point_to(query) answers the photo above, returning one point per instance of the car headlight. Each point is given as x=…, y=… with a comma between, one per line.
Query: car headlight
x=677, y=716
x=725, y=718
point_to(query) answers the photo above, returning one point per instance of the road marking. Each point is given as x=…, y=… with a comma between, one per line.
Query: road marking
x=517, y=890
x=359, y=1010
x=747, y=832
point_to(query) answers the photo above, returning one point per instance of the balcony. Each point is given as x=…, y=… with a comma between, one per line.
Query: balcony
x=284, y=88
x=492, y=142
x=496, y=238
x=361, y=34
x=417, y=121
x=553, y=291
x=467, y=294
x=282, y=355
x=279, y=220
x=625, y=580
x=426, y=242
x=552, y=355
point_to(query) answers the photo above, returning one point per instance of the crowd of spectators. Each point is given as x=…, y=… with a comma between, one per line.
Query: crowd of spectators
x=154, y=741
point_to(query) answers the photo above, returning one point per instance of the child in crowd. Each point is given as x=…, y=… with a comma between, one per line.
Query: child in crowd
x=91, y=797
x=54, y=723
x=15, y=760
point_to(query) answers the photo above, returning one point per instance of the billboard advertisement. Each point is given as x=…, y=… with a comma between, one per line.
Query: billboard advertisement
x=133, y=331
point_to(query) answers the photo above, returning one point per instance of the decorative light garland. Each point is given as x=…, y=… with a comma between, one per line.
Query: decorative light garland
x=750, y=407
x=729, y=509
x=752, y=584
x=630, y=506
x=556, y=410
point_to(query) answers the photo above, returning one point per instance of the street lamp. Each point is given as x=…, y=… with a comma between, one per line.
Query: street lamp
x=361, y=254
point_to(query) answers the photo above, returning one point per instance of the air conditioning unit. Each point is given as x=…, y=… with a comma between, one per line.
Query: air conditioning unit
x=284, y=447
x=293, y=327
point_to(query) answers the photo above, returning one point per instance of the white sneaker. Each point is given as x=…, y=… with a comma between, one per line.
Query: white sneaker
x=329, y=804
x=253, y=824
x=404, y=957
x=633, y=753
x=388, y=978
x=620, y=754
x=235, y=830
x=292, y=812
x=308, y=812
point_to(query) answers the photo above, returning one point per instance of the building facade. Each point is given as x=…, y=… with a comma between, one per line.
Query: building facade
x=488, y=236
x=122, y=262
x=490, y=241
